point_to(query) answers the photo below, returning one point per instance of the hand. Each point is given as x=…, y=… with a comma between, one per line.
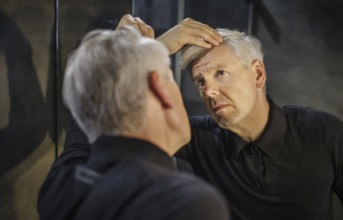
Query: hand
x=191, y=32
x=138, y=24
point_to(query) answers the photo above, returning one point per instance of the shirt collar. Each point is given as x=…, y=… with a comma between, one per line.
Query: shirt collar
x=107, y=150
x=271, y=140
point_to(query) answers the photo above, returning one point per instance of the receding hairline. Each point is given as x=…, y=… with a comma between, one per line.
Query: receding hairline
x=202, y=53
x=245, y=47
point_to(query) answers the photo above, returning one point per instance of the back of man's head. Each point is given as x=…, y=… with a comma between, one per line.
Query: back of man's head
x=105, y=82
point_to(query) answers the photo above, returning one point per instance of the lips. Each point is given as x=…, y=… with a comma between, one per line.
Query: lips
x=217, y=108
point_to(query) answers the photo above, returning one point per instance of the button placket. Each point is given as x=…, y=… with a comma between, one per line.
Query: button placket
x=254, y=162
x=253, y=149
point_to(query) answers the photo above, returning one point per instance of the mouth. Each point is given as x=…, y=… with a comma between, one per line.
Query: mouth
x=218, y=108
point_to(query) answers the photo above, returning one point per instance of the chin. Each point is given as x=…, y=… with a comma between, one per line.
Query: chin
x=223, y=122
x=226, y=119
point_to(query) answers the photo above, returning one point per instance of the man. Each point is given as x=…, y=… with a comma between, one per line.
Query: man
x=270, y=162
x=121, y=92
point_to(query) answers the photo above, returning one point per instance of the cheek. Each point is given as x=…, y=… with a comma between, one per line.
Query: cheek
x=246, y=85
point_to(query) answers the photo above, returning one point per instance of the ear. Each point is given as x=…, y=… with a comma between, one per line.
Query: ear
x=156, y=88
x=261, y=77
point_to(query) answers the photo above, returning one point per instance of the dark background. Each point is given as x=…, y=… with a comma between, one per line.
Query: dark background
x=303, y=56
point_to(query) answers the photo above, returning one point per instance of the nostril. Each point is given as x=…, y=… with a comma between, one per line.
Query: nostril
x=210, y=91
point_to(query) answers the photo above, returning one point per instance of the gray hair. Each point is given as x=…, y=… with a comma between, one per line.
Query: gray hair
x=106, y=80
x=245, y=47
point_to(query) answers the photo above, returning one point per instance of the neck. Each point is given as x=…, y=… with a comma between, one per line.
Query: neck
x=155, y=130
x=155, y=137
x=253, y=127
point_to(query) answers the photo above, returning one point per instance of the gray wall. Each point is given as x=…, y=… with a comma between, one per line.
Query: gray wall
x=32, y=117
x=303, y=44
x=305, y=64
x=26, y=148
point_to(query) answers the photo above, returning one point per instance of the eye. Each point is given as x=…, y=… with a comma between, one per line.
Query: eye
x=220, y=73
x=200, y=83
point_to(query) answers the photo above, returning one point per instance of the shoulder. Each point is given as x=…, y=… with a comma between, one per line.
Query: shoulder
x=308, y=115
x=207, y=139
x=195, y=189
x=203, y=122
x=204, y=126
x=301, y=112
x=314, y=123
x=153, y=193
x=193, y=198
x=205, y=202
x=60, y=193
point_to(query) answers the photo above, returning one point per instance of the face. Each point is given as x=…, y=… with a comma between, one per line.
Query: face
x=228, y=88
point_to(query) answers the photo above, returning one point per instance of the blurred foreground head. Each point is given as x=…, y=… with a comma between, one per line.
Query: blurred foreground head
x=110, y=85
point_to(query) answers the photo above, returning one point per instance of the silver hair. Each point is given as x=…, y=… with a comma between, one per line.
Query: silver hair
x=246, y=47
x=106, y=80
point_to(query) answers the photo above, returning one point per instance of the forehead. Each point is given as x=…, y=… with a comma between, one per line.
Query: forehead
x=218, y=57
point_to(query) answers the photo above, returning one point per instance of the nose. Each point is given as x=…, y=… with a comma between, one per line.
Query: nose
x=210, y=90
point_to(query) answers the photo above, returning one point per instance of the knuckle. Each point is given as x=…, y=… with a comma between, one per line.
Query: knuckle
x=127, y=16
x=187, y=20
x=181, y=27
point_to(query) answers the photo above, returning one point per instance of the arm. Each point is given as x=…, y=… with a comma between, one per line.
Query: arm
x=186, y=32
x=76, y=151
x=76, y=147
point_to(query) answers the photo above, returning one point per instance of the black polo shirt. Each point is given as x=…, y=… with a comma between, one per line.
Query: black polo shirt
x=124, y=179
x=290, y=172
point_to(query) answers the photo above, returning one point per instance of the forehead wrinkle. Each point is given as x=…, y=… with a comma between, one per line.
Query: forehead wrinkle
x=198, y=71
x=207, y=68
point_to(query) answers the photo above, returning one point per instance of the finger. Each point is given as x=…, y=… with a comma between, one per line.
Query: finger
x=151, y=31
x=141, y=25
x=127, y=20
x=208, y=34
x=193, y=36
x=145, y=29
x=197, y=41
x=204, y=31
x=210, y=39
